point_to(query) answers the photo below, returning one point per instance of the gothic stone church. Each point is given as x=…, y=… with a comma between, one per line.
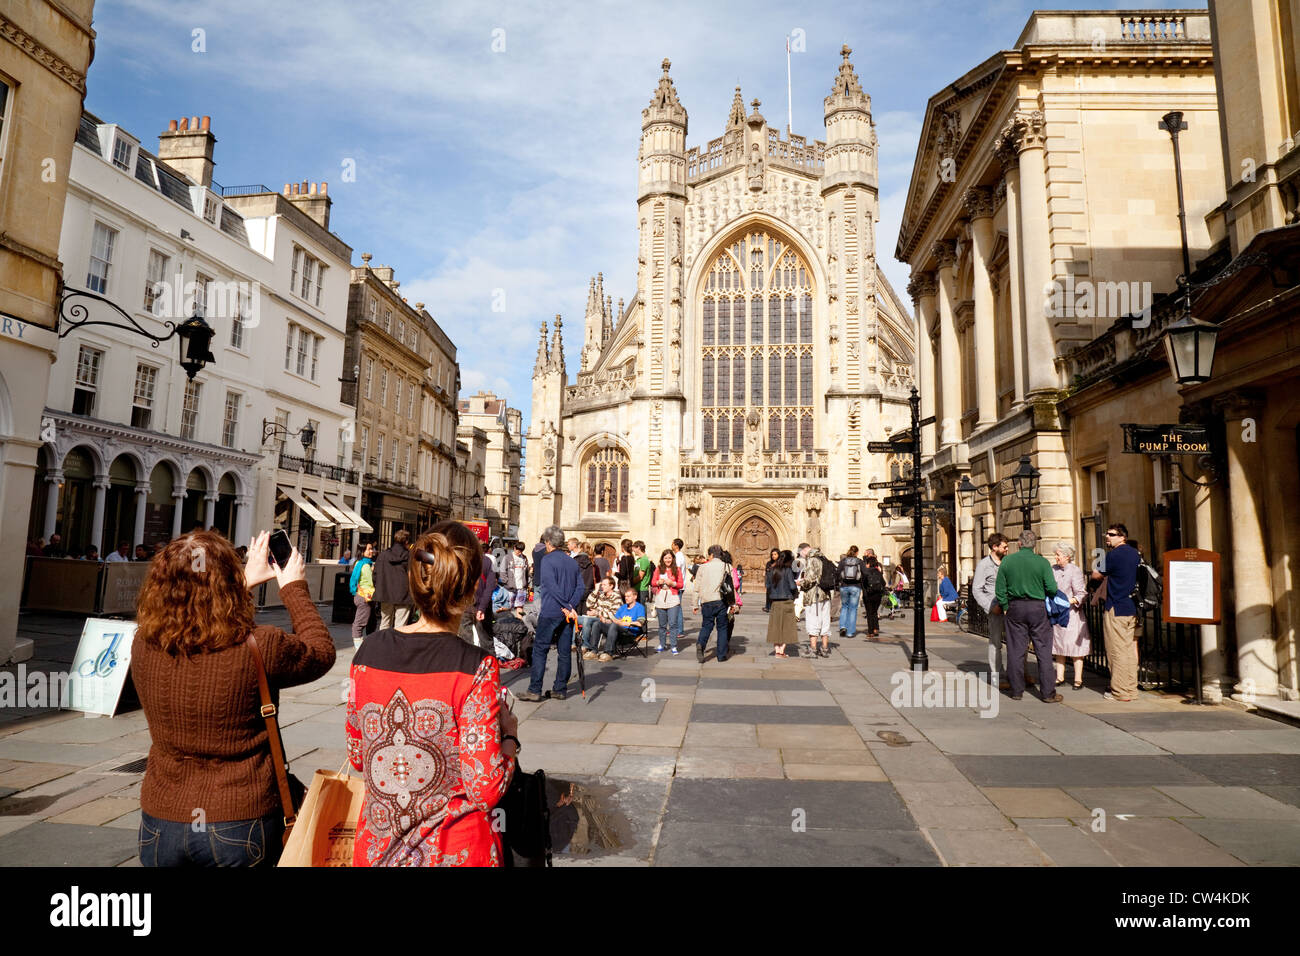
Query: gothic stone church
x=733, y=398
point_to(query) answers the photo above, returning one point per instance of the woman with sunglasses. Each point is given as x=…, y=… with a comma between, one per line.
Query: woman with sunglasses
x=425, y=723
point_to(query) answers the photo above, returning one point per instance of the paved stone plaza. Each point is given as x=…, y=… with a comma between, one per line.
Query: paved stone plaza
x=760, y=761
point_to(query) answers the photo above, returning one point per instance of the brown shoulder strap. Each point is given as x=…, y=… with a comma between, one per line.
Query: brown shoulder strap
x=273, y=736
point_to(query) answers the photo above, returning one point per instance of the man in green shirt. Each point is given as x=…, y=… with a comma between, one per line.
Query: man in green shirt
x=642, y=571
x=1024, y=582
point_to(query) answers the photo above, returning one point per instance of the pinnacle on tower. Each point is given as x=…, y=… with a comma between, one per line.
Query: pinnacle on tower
x=737, y=117
x=664, y=104
x=591, y=297
x=846, y=86
x=543, y=353
x=607, y=323
x=557, y=346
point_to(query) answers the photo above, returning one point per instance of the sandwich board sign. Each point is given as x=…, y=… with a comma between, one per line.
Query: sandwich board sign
x=100, y=667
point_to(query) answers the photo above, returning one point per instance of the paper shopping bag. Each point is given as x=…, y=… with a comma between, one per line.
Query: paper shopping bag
x=940, y=612
x=326, y=828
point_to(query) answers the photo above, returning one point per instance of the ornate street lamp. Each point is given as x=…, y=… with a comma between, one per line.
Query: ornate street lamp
x=1189, y=346
x=1024, y=485
x=194, y=333
x=884, y=516
x=306, y=434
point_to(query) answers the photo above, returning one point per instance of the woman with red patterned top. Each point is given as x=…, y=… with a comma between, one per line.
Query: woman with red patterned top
x=425, y=722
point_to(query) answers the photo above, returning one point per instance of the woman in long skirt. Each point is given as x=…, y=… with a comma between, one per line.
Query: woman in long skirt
x=1071, y=642
x=781, y=591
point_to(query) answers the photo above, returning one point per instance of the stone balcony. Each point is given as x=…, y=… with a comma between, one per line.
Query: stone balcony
x=772, y=467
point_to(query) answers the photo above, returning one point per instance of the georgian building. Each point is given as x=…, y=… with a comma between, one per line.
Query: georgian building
x=387, y=348
x=438, y=420
x=45, y=50
x=1042, y=209
x=732, y=398
x=134, y=449
x=503, y=428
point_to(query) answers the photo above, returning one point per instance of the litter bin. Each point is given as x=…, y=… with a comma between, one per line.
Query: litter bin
x=344, y=609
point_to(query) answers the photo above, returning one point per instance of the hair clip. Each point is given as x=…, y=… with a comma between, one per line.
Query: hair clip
x=425, y=556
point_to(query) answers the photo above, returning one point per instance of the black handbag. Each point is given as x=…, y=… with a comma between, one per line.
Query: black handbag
x=526, y=833
x=727, y=589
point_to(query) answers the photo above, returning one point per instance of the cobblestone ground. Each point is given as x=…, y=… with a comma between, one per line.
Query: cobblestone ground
x=757, y=760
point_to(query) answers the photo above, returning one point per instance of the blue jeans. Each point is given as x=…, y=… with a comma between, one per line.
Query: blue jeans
x=713, y=612
x=849, y=597
x=254, y=842
x=615, y=633
x=670, y=621
x=591, y=631
x=557, y=631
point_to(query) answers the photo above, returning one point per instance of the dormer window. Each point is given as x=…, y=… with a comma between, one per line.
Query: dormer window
x=123, y=154
x=210, y=209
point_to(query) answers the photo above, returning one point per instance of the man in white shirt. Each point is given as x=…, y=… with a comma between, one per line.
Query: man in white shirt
x=678, y=554
x=122, y=553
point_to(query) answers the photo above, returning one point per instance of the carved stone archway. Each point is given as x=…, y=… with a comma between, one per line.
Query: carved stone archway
x=750, y=547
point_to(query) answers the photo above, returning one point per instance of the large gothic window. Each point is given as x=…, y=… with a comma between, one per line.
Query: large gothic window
x=756, y=338
x=606, y=481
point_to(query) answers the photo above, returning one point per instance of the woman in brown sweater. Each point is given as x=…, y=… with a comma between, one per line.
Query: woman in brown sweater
x=210, y=796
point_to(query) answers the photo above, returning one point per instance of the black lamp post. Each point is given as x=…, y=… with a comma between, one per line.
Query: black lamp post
x=1024, y=485
x=271, y=429
x=194, y=333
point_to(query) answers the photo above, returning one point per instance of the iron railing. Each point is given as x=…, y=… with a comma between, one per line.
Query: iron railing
x=312, y=467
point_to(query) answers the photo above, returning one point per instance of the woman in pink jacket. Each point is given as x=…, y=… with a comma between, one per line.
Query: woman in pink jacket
x=666, y=585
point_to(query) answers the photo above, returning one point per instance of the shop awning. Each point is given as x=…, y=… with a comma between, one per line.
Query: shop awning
x=298, y=499
x=324, y=504
x=361, y=522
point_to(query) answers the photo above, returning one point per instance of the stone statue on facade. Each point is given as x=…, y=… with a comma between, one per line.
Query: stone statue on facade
x=549, y=440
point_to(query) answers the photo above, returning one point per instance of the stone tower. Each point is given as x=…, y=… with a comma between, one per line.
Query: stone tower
x=850, y=200
x=661, y=205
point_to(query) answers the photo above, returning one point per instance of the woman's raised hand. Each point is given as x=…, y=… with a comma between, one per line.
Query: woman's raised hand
x=295, y=569
x=258, y=570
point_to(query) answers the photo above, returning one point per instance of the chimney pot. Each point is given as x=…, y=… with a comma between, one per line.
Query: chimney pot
x=185, y=123
x=312, y=189
x=303, y=191
x=194, y=122
x=206, y=123
x=322, y=188
x=171, y=126
x=286, y=189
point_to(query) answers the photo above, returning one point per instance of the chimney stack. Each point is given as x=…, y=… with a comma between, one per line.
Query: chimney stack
x=312, y=199
x=187, y=146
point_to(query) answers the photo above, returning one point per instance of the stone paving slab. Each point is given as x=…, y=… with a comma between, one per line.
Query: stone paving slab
x=767, y=714
x=901, y=763
x=590, y=759
x=1035, y=802
x=1243, y=770
x=20, y=775
x=1223, y=741
x=67, y=844
x=986, y=848
x=1094, y=742
x=716, y=844
x=740, y=696
x=88, y=730
x=810, y=736
x=699, y=734
x=941, y=794
x=960, y=817
x=754, y=683
x=990, y=740
x=1152, y=841
x=1137, y=801
x=538, y=730
x=1287, y=795
x=655, y=735
x=805, y=698
x=97, y=812
x=824, y=805
x=1257, y=842
x=1079, y=771
x=643, y=766
x=729, y=762
x=1065, y=843
x=803, y=755
x=826, y=771
x=603, y=708
x=1233, y=803
x=1189, y=719
x=81, y=755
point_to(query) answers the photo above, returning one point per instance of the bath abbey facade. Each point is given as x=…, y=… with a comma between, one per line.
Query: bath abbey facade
x=732, y=399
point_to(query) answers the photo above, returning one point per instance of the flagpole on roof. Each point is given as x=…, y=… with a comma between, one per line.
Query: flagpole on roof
x=789, y=100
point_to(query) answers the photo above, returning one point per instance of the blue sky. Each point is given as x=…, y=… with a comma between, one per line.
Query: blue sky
x=479, y=170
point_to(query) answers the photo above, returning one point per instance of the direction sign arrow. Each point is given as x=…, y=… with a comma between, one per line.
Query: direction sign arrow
x=896, y=483
x=887, y=447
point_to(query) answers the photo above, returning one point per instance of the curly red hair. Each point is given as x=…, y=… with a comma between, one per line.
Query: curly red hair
x=194, y=599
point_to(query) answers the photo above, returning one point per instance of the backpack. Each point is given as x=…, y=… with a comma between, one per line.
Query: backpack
x=852, y=570
x=875, y=581
x=1146, y=588
x=829, y=578
x=727, y=589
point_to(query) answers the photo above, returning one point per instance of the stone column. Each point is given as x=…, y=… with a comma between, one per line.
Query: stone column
x=179, y=498
x=97, y=514
x=209, y=510
x=52, y=480
x=141, y=495
x=1005, y=148
x=923, y=289
x=979, y=206
x=1253, y=604
x=243, y=519
x=1036, y=255
x=949, y=373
